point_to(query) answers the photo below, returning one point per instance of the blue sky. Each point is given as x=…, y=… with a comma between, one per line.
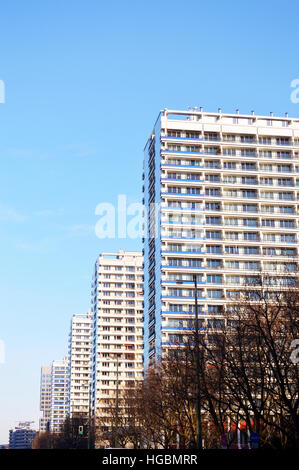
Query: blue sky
x=84, y=83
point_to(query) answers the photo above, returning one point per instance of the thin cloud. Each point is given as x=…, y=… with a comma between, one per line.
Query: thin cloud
x=49, y=212
x=77, y=150
x=42, y=246
x=9, y=214
x=78, y=230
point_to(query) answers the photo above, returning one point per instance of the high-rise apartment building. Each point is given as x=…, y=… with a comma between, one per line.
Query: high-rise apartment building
x=117, y=345
x=45, y=398
x=59, y=394
x=79, y=364
x=222, y=194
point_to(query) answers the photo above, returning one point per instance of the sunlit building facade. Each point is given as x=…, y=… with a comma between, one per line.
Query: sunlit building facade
x=117, y=335
x=79, y=365
x=45, y=398
x=221, y=193
x=59, y=394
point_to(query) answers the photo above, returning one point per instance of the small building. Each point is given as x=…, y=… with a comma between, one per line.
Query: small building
x=21, y=436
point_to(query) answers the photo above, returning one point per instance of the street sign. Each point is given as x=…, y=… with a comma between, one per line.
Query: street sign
x=254, y=440
x=224, y=440
x=254, y=437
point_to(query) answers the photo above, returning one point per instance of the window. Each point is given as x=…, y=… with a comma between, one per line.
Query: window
x=213, y=178
x=268, y=223
x=269, y=251
x=285, y=196
x=248, y=153
x=216, y=249
x=284, y=182
x=229, y=137
x=283, y=155
x=212, y=164
x=192, y=190
x=229, y=179
x=249, y=139
x=176, y=338
x=173, y=133
x=211, y=150
x=251, y=265
x=214, y=294
x=233, y=250
x=250, y=222
x=214, y=279
x=231, y=193
x=214, y=206
x=248, y=166
x=265, y=140
x=174, y=147
x=287, y=223
x=217, y=309
x=269, y=237
x=212, y=192
x=284, y=168
x=230, y=152
x=232, y=264
x=231, y=221
x=249, y=208
x=213, y=220
x=213, y=263
x=230, y=165
x=249, y=194
x=174, y=190
x=215, y=324
x=250, y=236
x=175, y=323
x=213, y=235
x=287, y=238
x=232, y=235
x=282, y=141
x=192, y=135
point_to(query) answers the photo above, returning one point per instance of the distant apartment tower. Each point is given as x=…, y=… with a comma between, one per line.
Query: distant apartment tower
x=79, y=364
x=59, y=394
x=21, y=436
x=45, y=398
x=117, y=308
x=226, y=190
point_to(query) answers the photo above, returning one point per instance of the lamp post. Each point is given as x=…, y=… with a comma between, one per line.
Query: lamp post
x=115, y=429
x=116, y=405
x=88, y=387
x=197, y=361
x=198, y=404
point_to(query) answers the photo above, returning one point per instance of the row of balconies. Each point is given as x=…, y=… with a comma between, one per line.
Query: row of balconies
x=243, y=223
x=258, y=211
x=263, y=252
x=214, y=280
x=278, y=183
x=226, y=166
x=245, y=194
x=243, y=254
x=255, y=139
x=248, y=237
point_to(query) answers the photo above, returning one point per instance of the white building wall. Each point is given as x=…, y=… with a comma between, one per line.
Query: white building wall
x=117, y=354
x=59, y=394
x=228, y=189
x=45, y=397
x=79, y=364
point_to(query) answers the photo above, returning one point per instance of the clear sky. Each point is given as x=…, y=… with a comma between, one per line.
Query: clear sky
x=84, y=83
